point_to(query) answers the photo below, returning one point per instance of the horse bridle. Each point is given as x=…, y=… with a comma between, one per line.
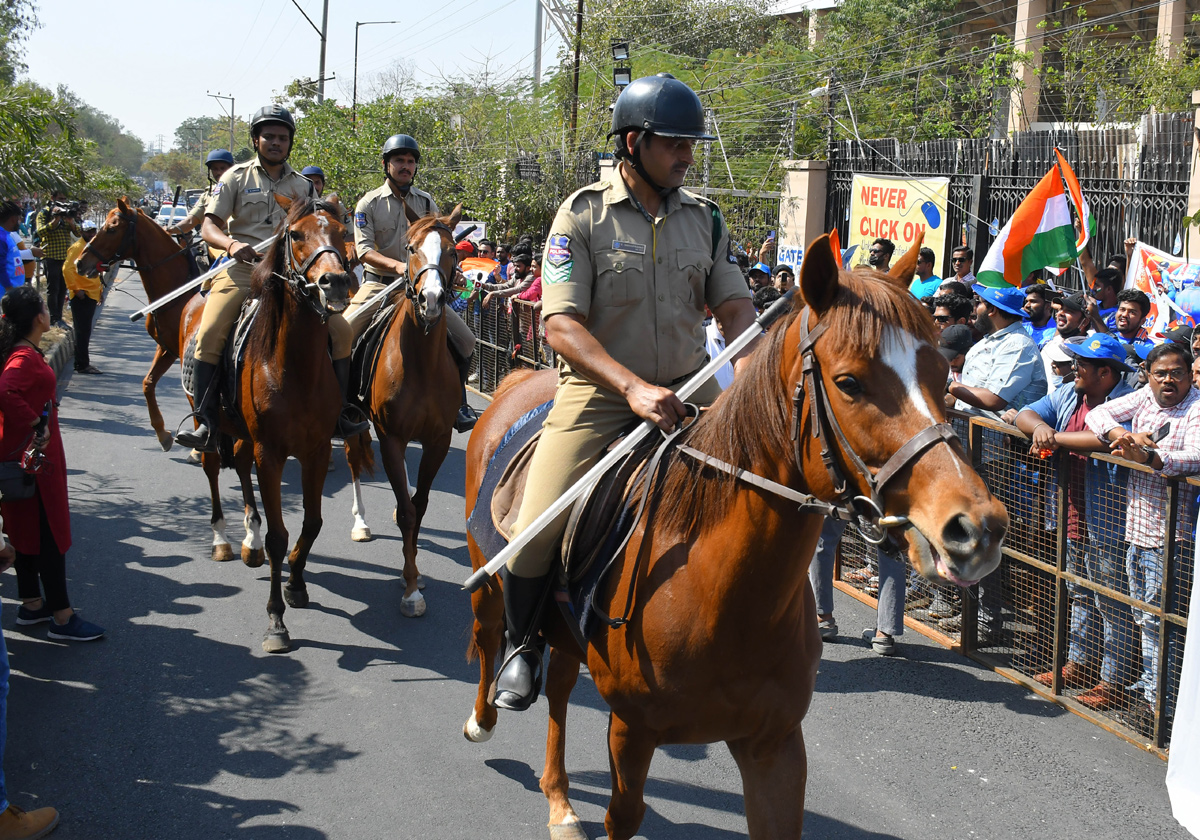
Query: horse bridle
x=297, y=276
x=866, y=512
x=128, y=240
x=410, y=288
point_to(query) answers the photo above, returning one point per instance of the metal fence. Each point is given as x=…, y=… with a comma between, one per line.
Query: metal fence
x=1135, y=179
x=1066, y=591
x=509, y=334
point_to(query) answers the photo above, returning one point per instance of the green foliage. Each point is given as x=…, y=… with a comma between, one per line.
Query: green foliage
x=38, y=147
x=17, y=19
x=113, y=147
x=175, y=167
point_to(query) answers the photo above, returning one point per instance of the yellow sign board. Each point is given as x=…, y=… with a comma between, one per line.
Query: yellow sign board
x=899, y=209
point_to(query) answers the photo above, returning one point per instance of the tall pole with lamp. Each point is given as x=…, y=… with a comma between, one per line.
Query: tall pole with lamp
x=357, y=24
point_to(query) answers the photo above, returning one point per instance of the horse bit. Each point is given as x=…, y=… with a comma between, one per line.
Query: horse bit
x=410, y=287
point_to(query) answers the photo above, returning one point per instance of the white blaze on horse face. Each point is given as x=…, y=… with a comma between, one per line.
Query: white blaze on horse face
x=898, y=350
x=431, y=252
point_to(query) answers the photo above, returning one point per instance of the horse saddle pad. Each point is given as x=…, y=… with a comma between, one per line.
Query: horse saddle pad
x=231, y=360
x=596, y=526
x=367, y=346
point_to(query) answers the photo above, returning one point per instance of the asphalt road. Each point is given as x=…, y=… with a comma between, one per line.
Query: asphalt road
x=178, y=725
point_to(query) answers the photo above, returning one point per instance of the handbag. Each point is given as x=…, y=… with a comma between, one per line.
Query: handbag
x=15, y=482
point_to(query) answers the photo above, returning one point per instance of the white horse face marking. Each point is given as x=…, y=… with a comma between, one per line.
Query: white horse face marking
x=431, y=284
x=898, y=350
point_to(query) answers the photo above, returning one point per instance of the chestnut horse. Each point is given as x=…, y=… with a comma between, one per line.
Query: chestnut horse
x=415, y=391
x=289, y=399
x=722, y=641
x=128, y=233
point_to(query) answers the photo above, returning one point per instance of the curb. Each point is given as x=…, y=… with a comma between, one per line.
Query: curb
x=62, y=353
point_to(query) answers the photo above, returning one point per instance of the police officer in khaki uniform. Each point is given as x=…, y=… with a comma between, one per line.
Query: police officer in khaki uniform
x=243, y=203
x=217, y=163
x=381, y=241
x=627, y=272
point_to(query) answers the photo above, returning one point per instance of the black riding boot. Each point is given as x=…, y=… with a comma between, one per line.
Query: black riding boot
x=520, y=677
x=204, y=437
x=346, y=427
x=465, y=421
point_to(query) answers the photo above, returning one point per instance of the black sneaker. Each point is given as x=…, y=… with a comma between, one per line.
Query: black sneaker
x=26, y=616
x=75, y=630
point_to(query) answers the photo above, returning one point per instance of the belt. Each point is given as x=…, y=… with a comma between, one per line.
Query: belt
x=378, y=278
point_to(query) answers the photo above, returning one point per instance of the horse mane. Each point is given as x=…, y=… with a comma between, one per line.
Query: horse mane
x=268, y=282
x=751, y=422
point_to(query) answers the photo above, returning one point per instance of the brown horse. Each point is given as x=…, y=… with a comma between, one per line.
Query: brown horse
x=130, y=234
x=289, y=399
x=722, y=641
x=127, y=233
x=415, y=391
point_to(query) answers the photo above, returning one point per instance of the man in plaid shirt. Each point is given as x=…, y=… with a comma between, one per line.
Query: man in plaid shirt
x=57, y=232
x=1169, y=401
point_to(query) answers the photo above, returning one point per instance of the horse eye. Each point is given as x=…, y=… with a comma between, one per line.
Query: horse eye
x=848, y=385
x=296, y=235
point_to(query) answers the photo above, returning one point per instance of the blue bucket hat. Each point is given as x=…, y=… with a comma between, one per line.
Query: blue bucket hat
x=1008, y=299
x=1100, y=347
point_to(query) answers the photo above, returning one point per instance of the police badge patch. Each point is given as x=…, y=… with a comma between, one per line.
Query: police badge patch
x=558, y=261
x=360, y=219
x=216, y=191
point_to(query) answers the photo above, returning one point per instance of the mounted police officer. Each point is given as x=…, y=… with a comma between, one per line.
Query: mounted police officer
x=243, y=202
x=217, y=163
x=381, y=240
x=317, y=175
x=628, y=269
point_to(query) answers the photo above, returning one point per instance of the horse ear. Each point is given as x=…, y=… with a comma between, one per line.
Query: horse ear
x=408, y=212
x=456, y=214
x=819, y=275
x=906, y=267
x=283, y=201
x=123, y=203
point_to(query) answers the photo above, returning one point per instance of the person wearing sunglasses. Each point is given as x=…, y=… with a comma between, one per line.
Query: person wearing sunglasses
x=949, y=310
x=879, y=255
x=960, y=263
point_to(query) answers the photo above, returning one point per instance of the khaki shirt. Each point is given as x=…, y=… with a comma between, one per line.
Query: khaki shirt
x=200, y=208
x=640, y=288
x=380, y=224
x=245, y=199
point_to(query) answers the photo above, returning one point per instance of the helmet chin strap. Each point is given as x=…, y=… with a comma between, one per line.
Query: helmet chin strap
x=636, y=160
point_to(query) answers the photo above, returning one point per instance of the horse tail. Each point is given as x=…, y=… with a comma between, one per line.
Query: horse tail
x=360, y=455
x=225, y=450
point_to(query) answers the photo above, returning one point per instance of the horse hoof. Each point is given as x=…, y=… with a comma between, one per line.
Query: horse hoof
x=165, y=440
x=222, y=552
x=568, y=831
x=413, y=606
x=253, y=557
x=421, y=583
x=194, y=458
x=297, y=598
x=475, y=733
x=277, y=641
x=362, y=534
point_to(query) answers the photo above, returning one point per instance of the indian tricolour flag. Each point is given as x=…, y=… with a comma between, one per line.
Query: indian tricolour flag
x=1040, y=234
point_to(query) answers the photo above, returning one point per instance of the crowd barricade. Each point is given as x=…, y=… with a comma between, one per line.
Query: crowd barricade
x=509, y=334
x=1054, y=598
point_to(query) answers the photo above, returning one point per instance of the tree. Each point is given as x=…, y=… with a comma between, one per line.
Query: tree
x=176, y=168
x=192, y=135
x=38, y=149
x=114, y=147
x=17, y=19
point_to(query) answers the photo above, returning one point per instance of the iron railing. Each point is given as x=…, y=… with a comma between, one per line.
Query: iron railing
x=1056, y=600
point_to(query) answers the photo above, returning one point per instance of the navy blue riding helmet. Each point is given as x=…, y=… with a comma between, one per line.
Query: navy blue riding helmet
x=312, y=170
x=219, y=156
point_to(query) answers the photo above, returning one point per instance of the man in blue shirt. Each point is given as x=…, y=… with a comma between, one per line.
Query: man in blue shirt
x=1041, y=325
x=926, y=283
x=1094, y=502
x=10, y=219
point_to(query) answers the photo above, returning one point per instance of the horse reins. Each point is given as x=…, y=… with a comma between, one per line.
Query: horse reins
x=128, y=240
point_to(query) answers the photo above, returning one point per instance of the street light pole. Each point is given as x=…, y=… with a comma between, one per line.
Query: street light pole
x=321, y=68
x=357, y=24
x=232, y=114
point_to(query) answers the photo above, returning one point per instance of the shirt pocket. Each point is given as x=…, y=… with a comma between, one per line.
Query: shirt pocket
x=620, y=278
x=691, y=269
x=256, y=208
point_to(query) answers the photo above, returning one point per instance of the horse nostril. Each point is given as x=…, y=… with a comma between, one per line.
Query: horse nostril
x=961, y=535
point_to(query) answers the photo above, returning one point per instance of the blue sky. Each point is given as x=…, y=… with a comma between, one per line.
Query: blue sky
x=149, y=64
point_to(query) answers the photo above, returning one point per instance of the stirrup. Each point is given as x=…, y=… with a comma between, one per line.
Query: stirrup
x=465, y=419
x=536, y=687
x=192, y=439
x=348, y=427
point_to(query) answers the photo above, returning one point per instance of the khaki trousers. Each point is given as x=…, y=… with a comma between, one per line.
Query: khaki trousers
x=221, y=307
x=459, y=334
x=584, y=420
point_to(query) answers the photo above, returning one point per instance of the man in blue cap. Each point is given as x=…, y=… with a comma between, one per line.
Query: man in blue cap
x=1100, y=649
x=1004, y=369
x=317, y=175
x=760, y=276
